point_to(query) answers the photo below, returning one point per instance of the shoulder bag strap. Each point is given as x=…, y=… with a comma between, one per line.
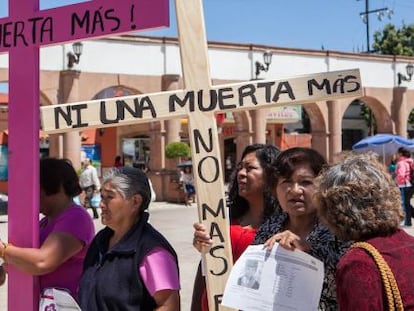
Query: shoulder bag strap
x=388, y=279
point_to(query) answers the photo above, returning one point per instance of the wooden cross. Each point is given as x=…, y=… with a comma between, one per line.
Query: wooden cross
x=21, y=34
x=199, y=101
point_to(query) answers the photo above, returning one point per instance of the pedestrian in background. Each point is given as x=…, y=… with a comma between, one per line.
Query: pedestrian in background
x=402, y=177
x=359, y=202
x=144, y=167
x=391, y=168
x=187, y=180
x=118, y=161
x=90, y=184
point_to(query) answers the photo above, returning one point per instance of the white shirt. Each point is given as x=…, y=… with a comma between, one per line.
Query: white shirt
x=89, y=177
x=187, y=178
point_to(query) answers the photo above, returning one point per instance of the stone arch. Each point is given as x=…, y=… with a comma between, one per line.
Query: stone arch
x=317, y=120
x=382, y=115
x=115, y=91
x=44, y=100
x=242, y=121
x=243, y=126
x=112, y=137
x=318, y=127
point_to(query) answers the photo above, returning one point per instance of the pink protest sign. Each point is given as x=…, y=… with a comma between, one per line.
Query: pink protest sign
x=79, y=21
x=21, y=34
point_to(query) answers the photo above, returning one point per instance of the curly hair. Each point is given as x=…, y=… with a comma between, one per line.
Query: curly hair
x=357, y=198
x=238, y=206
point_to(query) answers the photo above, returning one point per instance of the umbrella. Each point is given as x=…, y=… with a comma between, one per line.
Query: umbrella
x=383, y=144
x=185, y=163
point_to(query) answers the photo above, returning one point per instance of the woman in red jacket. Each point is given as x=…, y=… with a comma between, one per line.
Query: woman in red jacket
x=250, y=202
x=358, y=200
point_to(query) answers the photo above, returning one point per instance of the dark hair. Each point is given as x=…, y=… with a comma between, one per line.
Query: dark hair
x=140, y=165
x=284, y=165
x=238, y=205
x=404, y=151
x=55, y=173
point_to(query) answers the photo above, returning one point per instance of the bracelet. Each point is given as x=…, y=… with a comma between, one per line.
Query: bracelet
x=3, y=250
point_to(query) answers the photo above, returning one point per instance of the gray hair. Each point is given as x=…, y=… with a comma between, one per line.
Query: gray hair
x=358, y=199
x=129, y=181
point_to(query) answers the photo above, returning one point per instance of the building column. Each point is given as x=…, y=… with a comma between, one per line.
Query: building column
x=243, y=139
x=400, y=101
x=259, y=125
x=157, y=158
x=170, y=82
x=320, y=142
x=335, y=129
x=173, y=126
x=56, y=145
x=69, y=92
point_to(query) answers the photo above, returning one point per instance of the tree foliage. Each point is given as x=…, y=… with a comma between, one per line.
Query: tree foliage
x=367, y=115
x=395, y=41
x=177, y=150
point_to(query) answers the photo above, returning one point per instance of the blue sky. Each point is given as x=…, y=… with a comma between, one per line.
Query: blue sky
x=333, y=24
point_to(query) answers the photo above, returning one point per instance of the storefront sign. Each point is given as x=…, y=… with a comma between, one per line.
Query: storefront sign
x=286, y=114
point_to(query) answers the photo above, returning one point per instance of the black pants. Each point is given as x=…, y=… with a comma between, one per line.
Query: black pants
x=406, y=193
x=89, y=191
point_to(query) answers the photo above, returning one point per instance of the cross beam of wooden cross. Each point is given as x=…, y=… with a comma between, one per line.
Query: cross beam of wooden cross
x=256, y=94
x=199, y=101
x=21, y=34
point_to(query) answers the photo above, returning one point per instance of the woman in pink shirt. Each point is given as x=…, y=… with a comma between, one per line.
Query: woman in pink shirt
x=66, y=230
x=402, y=177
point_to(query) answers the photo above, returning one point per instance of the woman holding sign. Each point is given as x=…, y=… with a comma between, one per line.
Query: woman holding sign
x=250, y=202
x=292, y=177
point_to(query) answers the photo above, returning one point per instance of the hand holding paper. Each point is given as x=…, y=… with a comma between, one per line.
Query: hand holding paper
x=274, y=280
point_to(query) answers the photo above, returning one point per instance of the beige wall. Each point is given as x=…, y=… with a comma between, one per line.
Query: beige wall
x=390, y=106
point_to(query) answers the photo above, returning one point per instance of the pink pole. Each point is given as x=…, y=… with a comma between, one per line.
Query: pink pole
x=22, y=40
x=23, y=160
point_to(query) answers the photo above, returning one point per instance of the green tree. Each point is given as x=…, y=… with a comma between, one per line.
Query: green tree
x=177, y=150
x=368, y=116
x=395, y=41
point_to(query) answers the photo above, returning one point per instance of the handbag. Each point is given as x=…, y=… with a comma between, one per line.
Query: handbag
x=389, y=283
x=54, y=299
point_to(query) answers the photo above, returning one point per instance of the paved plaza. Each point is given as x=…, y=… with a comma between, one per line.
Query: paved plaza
x=175, y=222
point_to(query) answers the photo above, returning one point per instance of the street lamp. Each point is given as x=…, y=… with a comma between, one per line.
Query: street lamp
x=365, y=18
x=267, y=59
x=73, y=58
x=410, y=70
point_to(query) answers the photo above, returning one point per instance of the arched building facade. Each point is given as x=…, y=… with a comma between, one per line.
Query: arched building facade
x=139, y=65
